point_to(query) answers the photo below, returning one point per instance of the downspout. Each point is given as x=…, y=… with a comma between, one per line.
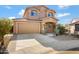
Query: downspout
x=40, y=27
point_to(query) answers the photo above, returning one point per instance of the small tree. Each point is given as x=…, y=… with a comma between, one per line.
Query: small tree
x=5, y=27
x=61, y=28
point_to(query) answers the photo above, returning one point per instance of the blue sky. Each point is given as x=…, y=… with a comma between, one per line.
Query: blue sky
x=65, y=13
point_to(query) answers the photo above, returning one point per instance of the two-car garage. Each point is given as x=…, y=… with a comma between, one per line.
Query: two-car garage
x=26, y=27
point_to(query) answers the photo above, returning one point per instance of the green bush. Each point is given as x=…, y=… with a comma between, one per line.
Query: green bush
x=5, y=27
x=62, y=29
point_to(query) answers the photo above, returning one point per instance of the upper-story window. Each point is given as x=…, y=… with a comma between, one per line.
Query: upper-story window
x=33, y=13
x=50, y=14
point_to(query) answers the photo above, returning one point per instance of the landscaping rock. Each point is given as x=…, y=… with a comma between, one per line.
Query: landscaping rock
x=7, y=39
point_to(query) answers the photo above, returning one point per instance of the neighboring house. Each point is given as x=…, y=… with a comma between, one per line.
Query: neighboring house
x=74, y=27
x=36, y=19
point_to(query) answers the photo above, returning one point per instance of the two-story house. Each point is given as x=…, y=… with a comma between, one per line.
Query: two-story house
x=36, y=19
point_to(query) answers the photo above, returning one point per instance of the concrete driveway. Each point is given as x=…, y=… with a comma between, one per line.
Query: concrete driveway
x=48, y=41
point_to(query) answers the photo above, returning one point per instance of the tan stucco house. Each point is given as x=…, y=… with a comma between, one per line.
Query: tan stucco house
x=36, y=19
x=74, y=27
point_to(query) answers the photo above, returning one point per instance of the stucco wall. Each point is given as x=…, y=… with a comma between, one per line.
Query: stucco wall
x=72, y=28
x=29, y=26
x=41, y=12
x=28, y=14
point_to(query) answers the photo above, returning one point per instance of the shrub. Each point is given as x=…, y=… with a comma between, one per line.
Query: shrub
x=5, y=27
x=62, y=29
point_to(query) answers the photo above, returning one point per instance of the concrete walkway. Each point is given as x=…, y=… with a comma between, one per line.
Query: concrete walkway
x=48, y=41
x=30, y=46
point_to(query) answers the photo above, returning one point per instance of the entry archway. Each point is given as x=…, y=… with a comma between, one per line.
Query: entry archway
x=49, y=27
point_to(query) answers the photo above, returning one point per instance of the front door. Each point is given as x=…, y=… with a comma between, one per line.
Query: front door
x=49, y=27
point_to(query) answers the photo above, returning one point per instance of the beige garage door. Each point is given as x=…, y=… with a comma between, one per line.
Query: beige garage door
x=28, y=27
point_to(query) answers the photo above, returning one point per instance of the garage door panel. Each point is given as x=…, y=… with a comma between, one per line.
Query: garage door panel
x=29, y=27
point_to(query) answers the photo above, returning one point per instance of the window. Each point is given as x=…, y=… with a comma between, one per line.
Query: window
x=76, y=27
x=33, y=13
x=50, y=14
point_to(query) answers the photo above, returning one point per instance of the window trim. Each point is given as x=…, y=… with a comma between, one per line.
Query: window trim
x=33, y=11
x=49, y=13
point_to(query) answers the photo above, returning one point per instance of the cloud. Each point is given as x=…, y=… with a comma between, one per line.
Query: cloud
x=21, y=12
x=64, y=6
x=65, y=21
x=8, y=7
x=11, y=17
x=63, y=15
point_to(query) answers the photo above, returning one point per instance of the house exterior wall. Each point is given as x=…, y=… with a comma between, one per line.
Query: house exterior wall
x=26, y=26
x=28, y=14
x=41, y=10
x=72, y=28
